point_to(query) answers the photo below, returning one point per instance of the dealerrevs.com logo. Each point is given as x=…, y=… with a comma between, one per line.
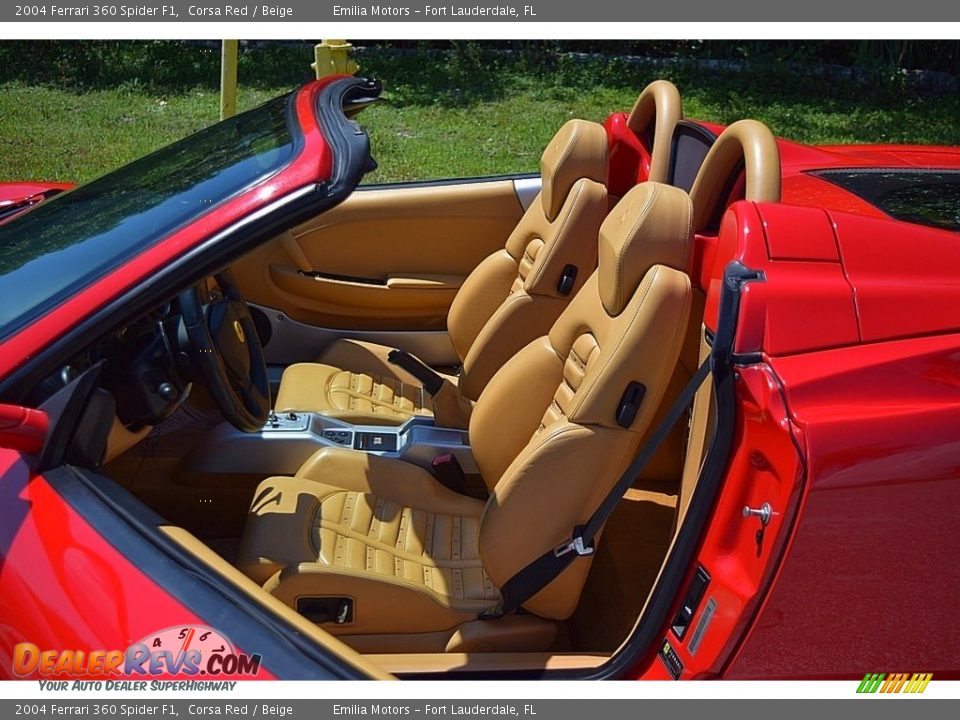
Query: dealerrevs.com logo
x=192, y=652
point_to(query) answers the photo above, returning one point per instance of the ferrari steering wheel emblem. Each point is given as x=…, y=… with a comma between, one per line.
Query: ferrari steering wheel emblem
x=238, y=330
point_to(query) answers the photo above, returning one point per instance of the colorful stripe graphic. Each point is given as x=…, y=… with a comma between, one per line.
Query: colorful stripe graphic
x=894, y=682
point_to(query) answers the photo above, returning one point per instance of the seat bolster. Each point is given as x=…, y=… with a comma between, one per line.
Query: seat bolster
x=303, y=388
x=484, y=291
x=565, y=467
x=278, y=528
x=382, y=604
x=402, y=482
x=519, y=320
x=511, y=407
x=364, y=357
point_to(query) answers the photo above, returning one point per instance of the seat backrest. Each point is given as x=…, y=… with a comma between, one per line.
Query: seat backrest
x=515, y=294
x=547, y=432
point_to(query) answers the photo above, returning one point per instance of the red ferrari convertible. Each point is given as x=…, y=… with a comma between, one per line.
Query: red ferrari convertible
x=685, y=404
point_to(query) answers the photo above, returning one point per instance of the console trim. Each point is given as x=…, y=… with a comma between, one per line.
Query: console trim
x=289, y=439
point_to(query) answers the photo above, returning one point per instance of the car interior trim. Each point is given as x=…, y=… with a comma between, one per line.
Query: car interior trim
x=440, y=182
x=286, y=649
x=293, y=341
x=527, y=189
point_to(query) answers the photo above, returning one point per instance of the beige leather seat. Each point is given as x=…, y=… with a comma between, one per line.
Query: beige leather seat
x=418, y=561
x=510, y=298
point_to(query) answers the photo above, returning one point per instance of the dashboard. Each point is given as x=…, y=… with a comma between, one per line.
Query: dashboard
x=144, y=366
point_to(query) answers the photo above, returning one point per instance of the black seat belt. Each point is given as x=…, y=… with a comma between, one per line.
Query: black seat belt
x=432, y=381
x=534, y=577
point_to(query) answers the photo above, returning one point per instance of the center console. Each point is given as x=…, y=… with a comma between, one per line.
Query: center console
x=287, y=440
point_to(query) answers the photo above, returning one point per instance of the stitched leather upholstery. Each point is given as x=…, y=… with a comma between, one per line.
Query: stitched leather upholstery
x=360, y=397
x=509, y=299
x=545, y=432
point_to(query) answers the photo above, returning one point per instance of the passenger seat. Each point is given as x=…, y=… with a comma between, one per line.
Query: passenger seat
x=412, y=564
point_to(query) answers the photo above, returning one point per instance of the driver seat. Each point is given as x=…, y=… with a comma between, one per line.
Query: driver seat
x=397, y=562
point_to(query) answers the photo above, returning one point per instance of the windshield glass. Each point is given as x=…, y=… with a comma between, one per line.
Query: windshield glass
x=921, y=196
x=66, y=243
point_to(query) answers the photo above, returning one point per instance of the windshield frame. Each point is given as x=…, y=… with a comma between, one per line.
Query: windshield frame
x=125, y=254
x=336, y=154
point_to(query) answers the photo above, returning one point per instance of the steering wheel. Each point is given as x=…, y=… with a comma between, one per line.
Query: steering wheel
x=224, y=345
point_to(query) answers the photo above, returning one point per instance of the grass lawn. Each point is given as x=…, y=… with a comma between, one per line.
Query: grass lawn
x=452, y=116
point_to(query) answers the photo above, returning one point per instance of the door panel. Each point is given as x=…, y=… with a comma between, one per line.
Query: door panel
x=363, y=299
x=385, y=259
x=291, y=341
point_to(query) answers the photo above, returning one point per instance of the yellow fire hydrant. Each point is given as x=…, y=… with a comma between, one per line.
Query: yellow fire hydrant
x=332, y=57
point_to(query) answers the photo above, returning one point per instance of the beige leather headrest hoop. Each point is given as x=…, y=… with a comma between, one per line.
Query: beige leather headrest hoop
x=578, y=150
x=750, y=141
x=649, y=226
x=659, y=103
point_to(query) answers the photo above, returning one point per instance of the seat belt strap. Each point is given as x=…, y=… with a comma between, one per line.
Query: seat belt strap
x=533, y=578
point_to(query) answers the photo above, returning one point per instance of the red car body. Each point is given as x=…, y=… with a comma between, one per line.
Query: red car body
x=847, y=414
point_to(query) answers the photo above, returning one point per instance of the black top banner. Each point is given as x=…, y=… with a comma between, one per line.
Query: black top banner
x=579, y=11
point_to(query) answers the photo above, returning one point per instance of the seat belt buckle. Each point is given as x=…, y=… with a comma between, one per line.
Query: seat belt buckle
x=573, y=545
x=494, y=613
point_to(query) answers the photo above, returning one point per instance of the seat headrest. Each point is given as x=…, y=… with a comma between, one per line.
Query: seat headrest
x=650, y=226
x=578, y=150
